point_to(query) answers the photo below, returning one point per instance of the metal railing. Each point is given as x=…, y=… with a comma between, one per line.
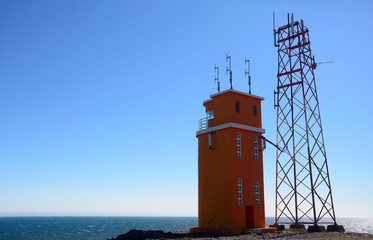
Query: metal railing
x=205, y=122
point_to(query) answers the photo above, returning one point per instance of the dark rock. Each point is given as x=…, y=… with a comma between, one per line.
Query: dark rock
x=158, y=234
x=279, y=227
x=140, y=234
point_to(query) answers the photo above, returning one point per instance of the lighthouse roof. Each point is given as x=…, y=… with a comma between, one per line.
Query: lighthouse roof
x=232, y=91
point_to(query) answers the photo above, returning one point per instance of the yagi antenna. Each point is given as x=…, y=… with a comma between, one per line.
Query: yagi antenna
x=229, y=68
x=247, y=73
x=315, y=64
x=216, y=77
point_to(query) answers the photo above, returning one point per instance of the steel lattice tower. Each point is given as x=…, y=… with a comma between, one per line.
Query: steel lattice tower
x=303, y=190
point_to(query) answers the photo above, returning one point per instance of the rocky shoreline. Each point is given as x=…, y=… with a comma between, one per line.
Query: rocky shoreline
x=287, y=234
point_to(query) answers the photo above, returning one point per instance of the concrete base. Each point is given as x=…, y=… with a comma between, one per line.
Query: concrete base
x=269, y=230
x=335, y=228
x=279, y=227
x=316, y=228
x=297, y=226
x=260, y=231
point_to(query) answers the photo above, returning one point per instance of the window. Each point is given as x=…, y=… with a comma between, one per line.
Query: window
x=254, y=110
x=210, y=114
x=239, y=191
x=257, y=193
x=237, y=106
x=255, y=148
x=238, y=145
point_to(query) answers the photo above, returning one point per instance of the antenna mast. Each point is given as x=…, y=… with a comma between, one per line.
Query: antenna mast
x=303, y=189
x=247, y=73
x=229, y=68
x=216, y=77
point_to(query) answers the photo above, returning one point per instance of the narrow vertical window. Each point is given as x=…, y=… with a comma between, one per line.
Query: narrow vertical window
x=253, y=111
x=257, y=193
x=255, y=148
x=237, y=106
x=239, y=191
x=238, y=145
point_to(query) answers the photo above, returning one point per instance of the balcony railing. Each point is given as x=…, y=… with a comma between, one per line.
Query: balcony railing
x=205, y=122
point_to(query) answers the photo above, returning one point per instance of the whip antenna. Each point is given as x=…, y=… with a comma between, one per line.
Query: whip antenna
x=229, y=68
x=247, y=73
x=216, y=77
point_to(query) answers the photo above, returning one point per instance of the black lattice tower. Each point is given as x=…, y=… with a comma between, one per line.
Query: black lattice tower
x=303, y=190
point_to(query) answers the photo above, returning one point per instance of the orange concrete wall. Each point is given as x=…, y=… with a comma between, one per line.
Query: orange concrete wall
x=249, y=170
x=214, y=174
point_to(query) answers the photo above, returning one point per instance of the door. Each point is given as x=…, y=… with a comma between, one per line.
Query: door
x=249, y=216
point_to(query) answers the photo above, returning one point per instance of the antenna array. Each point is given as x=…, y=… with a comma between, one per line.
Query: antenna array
x=229, y=72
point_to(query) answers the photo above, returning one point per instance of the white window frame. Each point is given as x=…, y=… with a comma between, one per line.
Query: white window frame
x=238, y=145
x=256, y=155
x=257, y=193
x=239, y=192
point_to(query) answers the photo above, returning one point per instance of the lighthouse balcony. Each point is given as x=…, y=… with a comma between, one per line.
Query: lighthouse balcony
x=205, y=123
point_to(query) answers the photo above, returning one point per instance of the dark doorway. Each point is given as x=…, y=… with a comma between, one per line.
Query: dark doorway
x=249, y=217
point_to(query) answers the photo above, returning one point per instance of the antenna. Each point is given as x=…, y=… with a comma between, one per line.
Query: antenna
x=216, y=77
x=229, y=68
x=274, y=30
x=292, y=23
x=314, y=66
x=247, y=73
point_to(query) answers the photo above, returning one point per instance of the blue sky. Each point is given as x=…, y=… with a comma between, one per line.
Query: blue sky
x=100, y=100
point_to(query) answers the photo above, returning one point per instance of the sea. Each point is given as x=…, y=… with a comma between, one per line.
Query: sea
x=102, y=228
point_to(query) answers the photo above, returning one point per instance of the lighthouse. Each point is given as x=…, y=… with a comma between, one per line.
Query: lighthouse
x=230, y=164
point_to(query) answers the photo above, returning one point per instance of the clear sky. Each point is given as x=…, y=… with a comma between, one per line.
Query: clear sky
x=100, y=100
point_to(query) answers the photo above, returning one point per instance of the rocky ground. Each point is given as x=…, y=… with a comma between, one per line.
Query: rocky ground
x=142, y=235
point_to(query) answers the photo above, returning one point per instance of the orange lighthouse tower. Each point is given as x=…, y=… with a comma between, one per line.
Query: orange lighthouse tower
x=230, y=164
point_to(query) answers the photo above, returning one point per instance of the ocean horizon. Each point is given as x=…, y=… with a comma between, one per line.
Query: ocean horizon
x=95, y=227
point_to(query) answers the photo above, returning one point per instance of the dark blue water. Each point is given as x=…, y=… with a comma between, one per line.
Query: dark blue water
x=46, y=228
